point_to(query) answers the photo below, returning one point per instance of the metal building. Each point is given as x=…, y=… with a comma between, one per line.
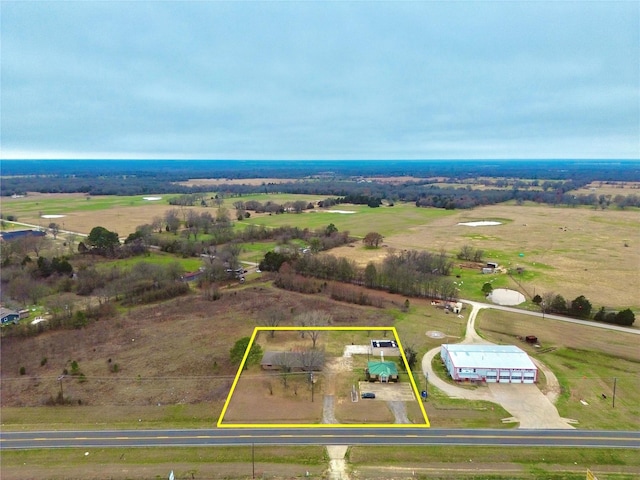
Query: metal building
x=488, y=363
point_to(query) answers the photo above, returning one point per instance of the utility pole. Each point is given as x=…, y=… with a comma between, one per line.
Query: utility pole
x=60, y=378
x=426, y=384
x=253, y=461
x=615, y=380
x=311, y=386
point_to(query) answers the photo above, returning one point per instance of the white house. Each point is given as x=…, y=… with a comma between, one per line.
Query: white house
x=488, y=363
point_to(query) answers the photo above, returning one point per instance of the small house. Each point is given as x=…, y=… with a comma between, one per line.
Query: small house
x=8, y=316
x=304, y=361
x=381, y=371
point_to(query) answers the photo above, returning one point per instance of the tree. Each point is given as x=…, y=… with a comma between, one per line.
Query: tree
x=314, y=318
x=273, y=317
x=54, y=228
x=625, y=317
x=580, y=307
x=172, y=220
x=412, y=357
x=238, y=350
x=370, y=276
x=330, y=230
x=537, y=299
x=487, y=288
x=559, y=304
x=372, y=239
x=103, y=239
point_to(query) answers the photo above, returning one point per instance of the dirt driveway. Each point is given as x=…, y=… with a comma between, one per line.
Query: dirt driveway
x=388, y=392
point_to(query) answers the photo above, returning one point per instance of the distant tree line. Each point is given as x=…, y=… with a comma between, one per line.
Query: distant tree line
x=549, y=183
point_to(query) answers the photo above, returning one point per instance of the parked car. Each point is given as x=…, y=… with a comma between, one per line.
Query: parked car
x=368, y=395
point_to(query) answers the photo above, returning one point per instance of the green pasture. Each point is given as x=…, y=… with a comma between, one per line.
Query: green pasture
x=156, y=258
x=384, y=220
x=537, y=462
x=69, y=204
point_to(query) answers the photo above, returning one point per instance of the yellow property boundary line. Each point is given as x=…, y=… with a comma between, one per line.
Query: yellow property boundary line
x=321, y=425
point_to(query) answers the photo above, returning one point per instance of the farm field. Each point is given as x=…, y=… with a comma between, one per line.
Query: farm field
x=569, y=251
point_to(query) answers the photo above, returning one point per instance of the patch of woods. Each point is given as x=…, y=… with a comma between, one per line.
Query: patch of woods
x=410, y=273
x=580, y=307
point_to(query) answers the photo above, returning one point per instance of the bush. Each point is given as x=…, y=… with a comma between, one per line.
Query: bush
x=23, y=371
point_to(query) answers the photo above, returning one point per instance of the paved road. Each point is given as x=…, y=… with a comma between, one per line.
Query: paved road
x=526, y=403
x=318, y=436
x=546, y=316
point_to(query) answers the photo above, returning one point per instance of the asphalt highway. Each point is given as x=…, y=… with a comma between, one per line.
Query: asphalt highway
x=318, y=436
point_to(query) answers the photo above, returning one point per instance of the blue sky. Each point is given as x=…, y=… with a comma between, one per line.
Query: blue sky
x=320, y=80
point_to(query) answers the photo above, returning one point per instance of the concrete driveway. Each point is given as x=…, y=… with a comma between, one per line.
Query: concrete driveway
x=525, y=402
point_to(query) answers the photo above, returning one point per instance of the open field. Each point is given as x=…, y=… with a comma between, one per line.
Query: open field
x=492, y=463
x=570, y=251
x=610, y=188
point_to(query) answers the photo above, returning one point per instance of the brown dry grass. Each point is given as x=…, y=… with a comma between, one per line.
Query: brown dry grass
x=576, y=251
x=610, y=188
x=505, y=327
x=175, y=353
x=214, y=182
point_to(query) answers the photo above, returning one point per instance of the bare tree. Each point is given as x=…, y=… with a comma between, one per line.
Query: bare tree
x=314, y=318
x=54, y=228
x=273, y=317
x=285, y=362
x=267, y=383
x=172, y=220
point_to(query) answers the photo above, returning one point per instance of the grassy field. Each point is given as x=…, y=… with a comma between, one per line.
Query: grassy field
x=500, y=463
x=154, y=463
x=586, y=360
x=570, y=251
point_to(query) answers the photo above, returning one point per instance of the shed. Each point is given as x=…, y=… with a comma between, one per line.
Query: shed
x=488, y=363
x=8, y=316
x=382, y=371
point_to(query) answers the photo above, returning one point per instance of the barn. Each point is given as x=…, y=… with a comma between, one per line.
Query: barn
x=488, y=363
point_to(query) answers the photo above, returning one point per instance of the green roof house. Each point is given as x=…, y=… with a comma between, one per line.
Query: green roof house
x=381, y=371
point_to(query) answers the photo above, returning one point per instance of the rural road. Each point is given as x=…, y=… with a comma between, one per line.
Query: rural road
x=318, y=436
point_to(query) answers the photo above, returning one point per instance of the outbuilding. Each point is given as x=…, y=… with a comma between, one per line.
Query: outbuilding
x=8, y=316
x=488, y=363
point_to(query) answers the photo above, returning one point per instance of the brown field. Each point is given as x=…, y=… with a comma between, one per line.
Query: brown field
x=577, y=251
x=172, y=353
x=260, y=396
x=233, y=181
x=610, y=188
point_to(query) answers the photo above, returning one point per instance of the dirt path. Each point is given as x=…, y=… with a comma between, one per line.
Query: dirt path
x=336, y=453
x=526, y=403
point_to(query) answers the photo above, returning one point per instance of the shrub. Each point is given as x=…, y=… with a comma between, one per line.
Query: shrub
x=23, y=371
